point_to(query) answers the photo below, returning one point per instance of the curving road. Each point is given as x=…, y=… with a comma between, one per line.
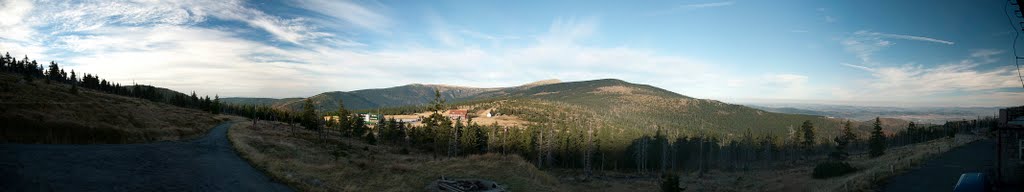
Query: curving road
x=942, y=173
x=205, y=164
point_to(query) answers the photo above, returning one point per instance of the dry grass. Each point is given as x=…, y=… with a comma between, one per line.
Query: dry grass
x=797, y=177
x=296, y=157
x=36, y=112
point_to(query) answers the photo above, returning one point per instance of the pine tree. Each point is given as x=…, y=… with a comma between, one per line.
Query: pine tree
x=358, y=126
x=454, y=142
x=74, y=83
x=877, y=142
x=808, y=136
x=308, y=115
x=842, y=141
x=848, y=134
x=344, y=123
x=481, y=139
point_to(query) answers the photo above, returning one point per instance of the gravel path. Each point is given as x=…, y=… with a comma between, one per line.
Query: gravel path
x=942, y=173
x=204, y=164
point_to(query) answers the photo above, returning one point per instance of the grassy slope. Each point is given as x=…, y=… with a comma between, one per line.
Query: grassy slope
x=37, y=112
x=300, y=160
x=622, y=105
x=797, y=175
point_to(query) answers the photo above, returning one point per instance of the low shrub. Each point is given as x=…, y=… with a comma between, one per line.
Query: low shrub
x=832, y=169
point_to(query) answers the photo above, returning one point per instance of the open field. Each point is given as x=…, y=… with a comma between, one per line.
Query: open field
x=480, y=117
x=298, y=158
x=37, y=112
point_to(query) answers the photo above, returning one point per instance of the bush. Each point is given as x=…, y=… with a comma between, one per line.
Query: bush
x=670, y=183
x=832, y=169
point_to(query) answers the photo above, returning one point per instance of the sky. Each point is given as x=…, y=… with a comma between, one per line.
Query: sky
x=871, y=52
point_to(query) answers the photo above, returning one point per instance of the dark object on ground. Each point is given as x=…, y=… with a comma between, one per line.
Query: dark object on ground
x=204, y=164
x=465, y=185
x=832, y=169
x=973, y=182
x=670, y=183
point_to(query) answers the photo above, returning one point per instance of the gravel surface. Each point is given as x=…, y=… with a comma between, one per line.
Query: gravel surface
x=942, y=173
x=209, y=163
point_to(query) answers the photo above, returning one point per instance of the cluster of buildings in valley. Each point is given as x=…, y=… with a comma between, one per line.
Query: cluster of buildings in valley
x=371, y=118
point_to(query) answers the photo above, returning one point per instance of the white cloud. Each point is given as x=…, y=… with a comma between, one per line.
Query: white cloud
x=167, y=44
x=350, y=12
x=919, y=82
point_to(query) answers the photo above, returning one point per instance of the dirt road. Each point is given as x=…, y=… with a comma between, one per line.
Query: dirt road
x=204, y=164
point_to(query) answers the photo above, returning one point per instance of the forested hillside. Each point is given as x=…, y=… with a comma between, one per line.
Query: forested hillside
x=406, y=95
x=414, y=94
x=50, y=104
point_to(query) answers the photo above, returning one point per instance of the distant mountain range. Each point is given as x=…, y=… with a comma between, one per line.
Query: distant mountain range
x=608, y=103
x=933, y=115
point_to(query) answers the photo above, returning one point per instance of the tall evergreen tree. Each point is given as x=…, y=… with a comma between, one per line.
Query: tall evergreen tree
x=344, y=119
x=481, y=139
x=358, y=126
x=807, y=130
x=74, y=83
x=309, y=118
x=842, y=142
x=877, y=142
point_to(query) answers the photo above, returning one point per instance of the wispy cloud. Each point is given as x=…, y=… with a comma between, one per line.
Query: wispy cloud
x=356, y=14
x=911, y=82
x=865, y=43
x=693, y=6
x=831, y=19
x=858, y=67
x=916, y=38
x=708, y=5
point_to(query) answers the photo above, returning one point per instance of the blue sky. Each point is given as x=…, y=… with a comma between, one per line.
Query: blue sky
x=905, y=53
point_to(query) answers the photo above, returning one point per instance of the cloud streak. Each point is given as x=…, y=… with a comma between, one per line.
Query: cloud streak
x=708, y=5
x=915, y=38
x=694, y=6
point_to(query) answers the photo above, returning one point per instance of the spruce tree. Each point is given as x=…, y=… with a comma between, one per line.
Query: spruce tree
x=807, y=130
x=481, y=139
x=344, y=125
x=308, y=115
x=358, y=126
x=74, y=83
x=877, y=142
x=848, y=134
x=843, y=141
